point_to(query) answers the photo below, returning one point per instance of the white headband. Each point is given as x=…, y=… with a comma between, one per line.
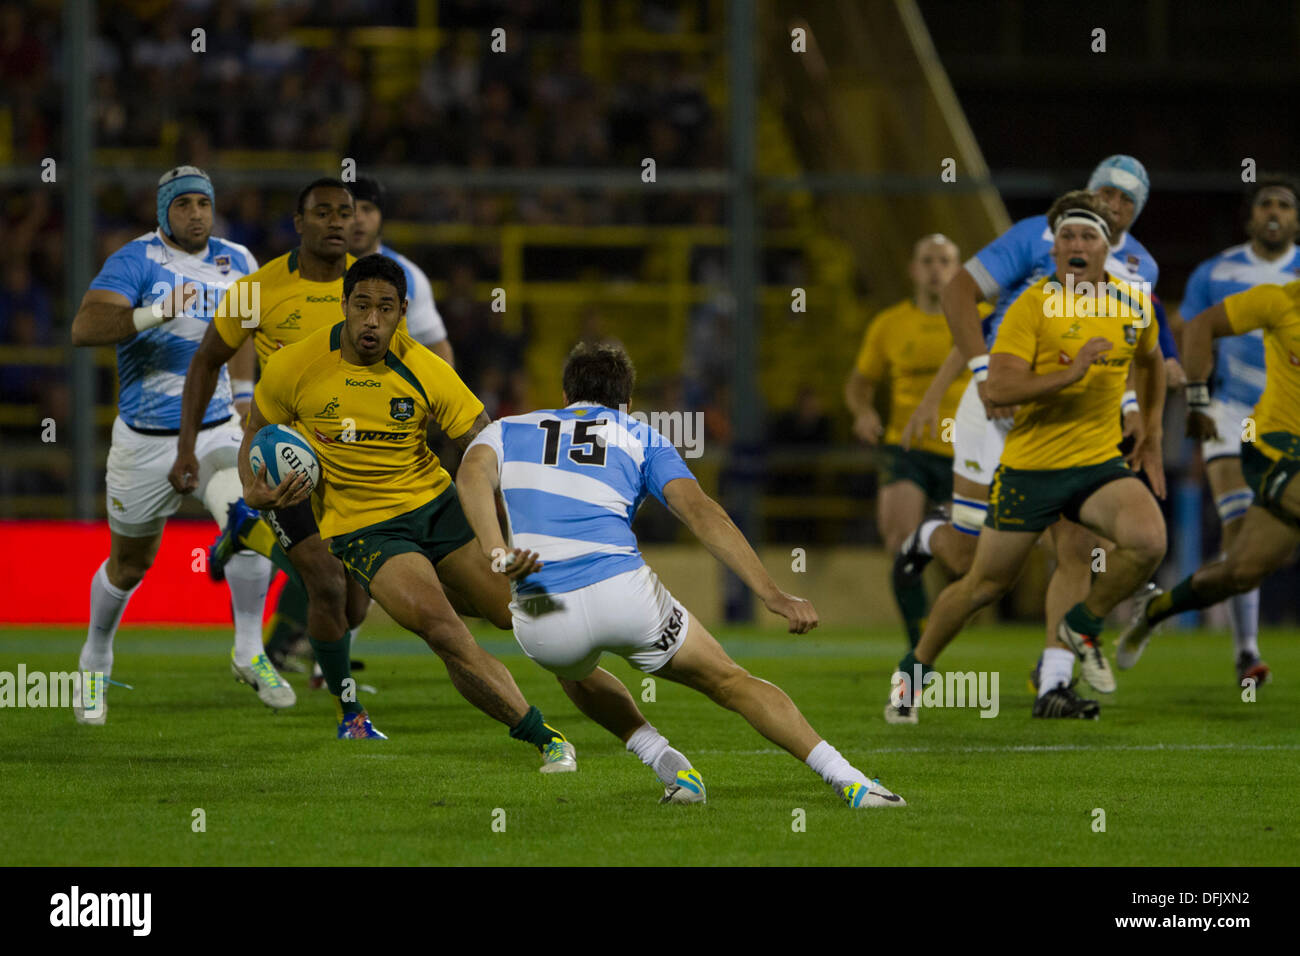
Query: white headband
x=1082, y=217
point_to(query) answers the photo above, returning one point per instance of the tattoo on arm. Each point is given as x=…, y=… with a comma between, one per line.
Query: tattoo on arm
x=480, y=423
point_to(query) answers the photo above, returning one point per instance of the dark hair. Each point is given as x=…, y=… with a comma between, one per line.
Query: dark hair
x=325, y=182
x=599, y=373
x=1266, y=182
x=375, y=267
x=1080, y=199
x=369, y=189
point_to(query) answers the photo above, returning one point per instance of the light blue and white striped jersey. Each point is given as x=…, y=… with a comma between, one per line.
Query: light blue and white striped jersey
x=1022, y=255
x=422, y=318
x=573, y=479
x=1239, y=359
x=151, y=365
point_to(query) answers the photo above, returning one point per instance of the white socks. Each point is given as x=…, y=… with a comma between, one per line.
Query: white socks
x=106, y=606
x=925, y=533
x=653, y=749
x=1055, y=669
x=826, y=761
x=1243, y=612
x=247, y=575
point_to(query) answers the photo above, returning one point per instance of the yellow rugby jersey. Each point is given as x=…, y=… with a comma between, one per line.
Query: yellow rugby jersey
x=1276, y=310
x=366, y=423
x=1080, y=424
x=907, y=346
x=287, y=307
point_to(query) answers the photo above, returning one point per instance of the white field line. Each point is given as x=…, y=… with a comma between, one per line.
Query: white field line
x=1026, y=748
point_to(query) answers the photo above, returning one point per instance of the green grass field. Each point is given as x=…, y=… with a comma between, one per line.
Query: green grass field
x=1186, y=772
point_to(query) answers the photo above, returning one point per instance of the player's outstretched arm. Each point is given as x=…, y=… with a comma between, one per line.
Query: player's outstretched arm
x=1199, y=334
x=106, y=318
x=926, y=415
x=961, y=307
x=242, y=367
x=709, y=522
x=477, y=481
x=1148, y=450
x=200, y=383
x=859, y=396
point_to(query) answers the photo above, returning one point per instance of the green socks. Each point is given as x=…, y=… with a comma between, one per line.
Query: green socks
x=908, y=667
x=912, y=605
x=1180, y=599
x=1082, y=621
x=335, y=659
x=534, y=729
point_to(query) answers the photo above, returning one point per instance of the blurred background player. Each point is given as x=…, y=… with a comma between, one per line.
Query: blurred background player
x=365, y=238
x=293, y=295
x=1270, y=460
x=1002, y=270
x=1063, y=365
x=1269, y=258
x=572, y=480
x=905, y=346
x=154, y=299
x=387, y=505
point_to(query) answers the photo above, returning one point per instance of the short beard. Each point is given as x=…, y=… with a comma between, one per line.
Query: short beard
x=197, y=248
x=1273, y=245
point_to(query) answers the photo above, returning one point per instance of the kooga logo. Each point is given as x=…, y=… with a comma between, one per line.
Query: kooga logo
x=103, y=909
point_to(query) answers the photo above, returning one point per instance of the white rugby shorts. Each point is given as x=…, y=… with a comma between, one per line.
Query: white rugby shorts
x=631, y=614
x=977, y=439
x=1228, y=418
x=140, y=498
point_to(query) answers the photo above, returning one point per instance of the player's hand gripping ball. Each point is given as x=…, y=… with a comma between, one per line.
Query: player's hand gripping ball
x=278, y=451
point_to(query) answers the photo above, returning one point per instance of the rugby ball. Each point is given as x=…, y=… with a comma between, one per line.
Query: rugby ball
x=278, y=451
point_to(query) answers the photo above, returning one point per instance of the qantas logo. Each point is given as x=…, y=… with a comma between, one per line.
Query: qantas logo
x=1063, y=359
x=1295, y=359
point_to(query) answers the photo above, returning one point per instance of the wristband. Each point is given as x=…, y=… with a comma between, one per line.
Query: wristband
x=1129, y=403
x=1198, y=396
x=241, y=389
x=146, y=318
x=979, y=367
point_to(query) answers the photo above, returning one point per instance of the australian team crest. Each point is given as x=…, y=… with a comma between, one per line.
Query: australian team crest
x=222, y=263
x=401, y=408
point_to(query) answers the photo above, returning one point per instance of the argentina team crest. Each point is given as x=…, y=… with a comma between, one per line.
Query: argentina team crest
x=401, y=408
x=222, y=263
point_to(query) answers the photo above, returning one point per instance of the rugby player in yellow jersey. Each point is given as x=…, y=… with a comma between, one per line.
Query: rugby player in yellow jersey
x=282, y=302
x=363, y=393
x=1270, y=530
x=1002, y=270
x=905, y=346
x=1062, y=355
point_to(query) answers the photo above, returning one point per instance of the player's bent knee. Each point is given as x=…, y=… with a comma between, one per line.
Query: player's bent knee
x=446, y=635
x=1246, y=576
x=1149, y=548
x=984, y=589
